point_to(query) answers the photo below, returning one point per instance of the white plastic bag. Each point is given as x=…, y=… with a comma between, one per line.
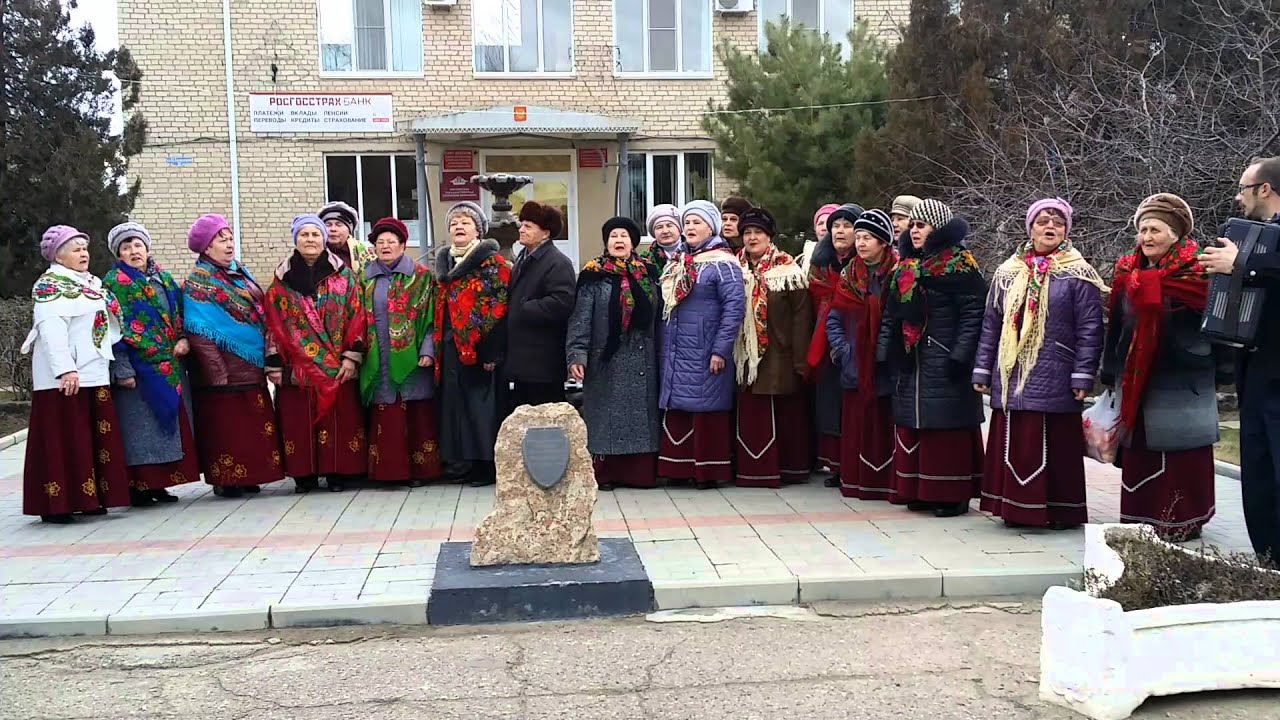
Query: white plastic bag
x=1102, y=428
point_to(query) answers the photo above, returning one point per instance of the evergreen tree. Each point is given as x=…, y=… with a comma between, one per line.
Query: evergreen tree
x=794, y=160
x=59, y=162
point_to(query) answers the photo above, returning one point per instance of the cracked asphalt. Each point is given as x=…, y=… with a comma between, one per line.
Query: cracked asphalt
x=844, y=661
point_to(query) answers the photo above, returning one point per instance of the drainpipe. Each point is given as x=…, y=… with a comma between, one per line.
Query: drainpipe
x=623, y=196
x=424, y=204
x=231, y=124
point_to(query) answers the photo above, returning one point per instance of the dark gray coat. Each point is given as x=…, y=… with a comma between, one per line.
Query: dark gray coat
x=542, y=292
x=620, y=396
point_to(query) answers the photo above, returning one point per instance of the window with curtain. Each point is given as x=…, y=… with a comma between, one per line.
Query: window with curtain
x=523, y=36
x=370, y=36
x=662, y=36
x=833, y=17
x=674, y=178
x=377, y=186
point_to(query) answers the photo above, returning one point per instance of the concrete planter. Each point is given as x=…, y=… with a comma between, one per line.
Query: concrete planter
x=1103, y=662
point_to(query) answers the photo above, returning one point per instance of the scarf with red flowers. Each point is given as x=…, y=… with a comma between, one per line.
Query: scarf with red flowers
x=777, y=271
x=865, y=308
x=1179, y=278
x=631, y=294
x=224, y=304
x=149, y=332
x=908, y=286
x=411, y=306
x=313, y=330
x=474, y=295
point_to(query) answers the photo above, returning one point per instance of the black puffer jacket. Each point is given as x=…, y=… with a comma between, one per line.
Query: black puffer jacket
x=933, y=389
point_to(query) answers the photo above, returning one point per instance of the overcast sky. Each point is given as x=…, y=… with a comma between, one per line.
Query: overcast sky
x=101, y=14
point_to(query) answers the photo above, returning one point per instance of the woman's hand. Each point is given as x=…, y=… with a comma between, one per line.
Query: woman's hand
x=984, y=389
x=128, y=383
x=276, y=376
x=426, y=361
x=347, y=371
x=1080, y=395
x=717, y=364
x=181, y=348
x=69, y=383
x=577, y=371
x=489, y=367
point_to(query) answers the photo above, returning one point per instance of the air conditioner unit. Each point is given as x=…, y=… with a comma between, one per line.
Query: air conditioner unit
x=733, y=6
x=439, y=3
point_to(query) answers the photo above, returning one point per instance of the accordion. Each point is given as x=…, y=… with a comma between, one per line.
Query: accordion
x=1233, y=311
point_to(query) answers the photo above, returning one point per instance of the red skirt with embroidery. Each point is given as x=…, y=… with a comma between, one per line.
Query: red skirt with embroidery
x=630, y=471
x=771, y=440
x=1172, y=491
x=333, y=446
x=159, y=476
x=404, y=442
x=936, y=466
x=75, y=454
x=1034, y=472
x=697, y=446
x=866, y=447
x=238, y=442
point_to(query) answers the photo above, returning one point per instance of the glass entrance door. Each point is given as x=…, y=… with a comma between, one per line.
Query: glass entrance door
x=552, y=184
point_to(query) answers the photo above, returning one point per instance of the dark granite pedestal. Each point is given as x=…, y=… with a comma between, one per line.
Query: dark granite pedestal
x=461, y=594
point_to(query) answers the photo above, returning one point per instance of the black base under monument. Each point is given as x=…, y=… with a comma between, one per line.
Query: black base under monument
x=462, y=595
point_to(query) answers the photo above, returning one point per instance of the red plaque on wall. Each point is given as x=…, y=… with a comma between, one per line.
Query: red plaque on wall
x=593, y=157
x=458, y=159
x=456, y=186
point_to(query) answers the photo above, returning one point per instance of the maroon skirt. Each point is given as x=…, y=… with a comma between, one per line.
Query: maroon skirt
x=1034, y=471
x=936, y=466
x=829, y=451
x=866, y=448
x=697, y=446
x=1172, y=491
x=630, y=471
x=75, y=454
x=404, y=442
x=239, y=444
x=771, y=444
x=159, y=476
x=333, y=446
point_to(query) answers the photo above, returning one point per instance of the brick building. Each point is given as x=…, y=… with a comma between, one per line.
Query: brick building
x=600, y=100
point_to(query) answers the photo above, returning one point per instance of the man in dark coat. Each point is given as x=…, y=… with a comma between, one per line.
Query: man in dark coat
x=543, y=285
x=1258, y=370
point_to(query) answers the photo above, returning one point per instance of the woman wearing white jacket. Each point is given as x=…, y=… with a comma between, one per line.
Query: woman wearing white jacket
x=75, y=453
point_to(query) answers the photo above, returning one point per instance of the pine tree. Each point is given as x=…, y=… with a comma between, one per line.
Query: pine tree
x=59, y=162
x=796, y=159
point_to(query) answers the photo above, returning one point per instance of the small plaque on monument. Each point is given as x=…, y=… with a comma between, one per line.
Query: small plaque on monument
x=546, y=455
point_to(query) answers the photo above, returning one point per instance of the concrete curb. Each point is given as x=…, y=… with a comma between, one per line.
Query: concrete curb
x=9, y=441
x=1226, y=469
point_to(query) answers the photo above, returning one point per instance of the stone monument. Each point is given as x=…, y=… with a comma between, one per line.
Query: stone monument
x=546, y=492
x=503, y=226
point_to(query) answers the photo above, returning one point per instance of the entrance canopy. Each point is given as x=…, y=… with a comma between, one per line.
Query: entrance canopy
x=507, y=123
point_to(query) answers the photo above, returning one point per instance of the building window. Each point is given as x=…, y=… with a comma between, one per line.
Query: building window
x=378, y=186
x=667, y=178
x=523, y=36
x=833, y=17
x=662, y=36
x=370, y=36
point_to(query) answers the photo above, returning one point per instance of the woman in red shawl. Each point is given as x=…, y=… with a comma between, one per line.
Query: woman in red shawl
x=1165, y=372
x=853, y=327
x=317, y=326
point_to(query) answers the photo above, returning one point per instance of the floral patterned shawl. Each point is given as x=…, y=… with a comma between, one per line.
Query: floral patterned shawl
x=150, y=330
x=474, y=294
x=411, y=308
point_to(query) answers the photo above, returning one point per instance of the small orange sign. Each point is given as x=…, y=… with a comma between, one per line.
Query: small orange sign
x=521, y=113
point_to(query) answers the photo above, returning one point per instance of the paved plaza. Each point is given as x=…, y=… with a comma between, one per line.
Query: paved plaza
x=371, y=553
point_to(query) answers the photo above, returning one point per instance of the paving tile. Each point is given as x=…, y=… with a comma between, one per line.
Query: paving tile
x=331, y=577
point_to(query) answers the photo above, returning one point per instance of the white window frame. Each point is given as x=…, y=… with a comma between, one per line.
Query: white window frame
x=762, y=43
x=359, y=156
x=681, y=177
x=506, y=57
x=355, y=53
x=647, y=74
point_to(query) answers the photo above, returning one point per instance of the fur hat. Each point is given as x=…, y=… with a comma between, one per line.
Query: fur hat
x=735, y=204
x=876, y=222
x=903, y=205
x=934, y=212
x=340, y=211
x=57, y=236
x=302, y=221
x=847, y=211
x=662, y=212
x=391, y=225
x=709, y=213
x=127, y=231
x=758, y=217
x=203, y=231
x=1170, y=208
x=1055, y=203
x=624, y=223
x=472, y=210
x=546, y=217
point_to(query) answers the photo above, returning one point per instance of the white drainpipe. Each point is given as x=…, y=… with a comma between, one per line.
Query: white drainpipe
x=231, y=124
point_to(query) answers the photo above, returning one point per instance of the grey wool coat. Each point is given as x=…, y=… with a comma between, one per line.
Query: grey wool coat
x=620, y=396
x=145, y=442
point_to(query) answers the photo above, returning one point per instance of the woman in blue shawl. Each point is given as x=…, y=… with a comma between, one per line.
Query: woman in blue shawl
x=149, y=382
x=236, y=434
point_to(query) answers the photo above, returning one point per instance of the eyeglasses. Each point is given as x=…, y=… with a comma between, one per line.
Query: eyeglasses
x=1252, y=186
x=1053, y=220
x=919, y=224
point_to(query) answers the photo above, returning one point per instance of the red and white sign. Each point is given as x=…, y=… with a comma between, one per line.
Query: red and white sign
x=456, y=186
x=520, y=113
x=593, y=157
x=320, y=113
x=458, y=159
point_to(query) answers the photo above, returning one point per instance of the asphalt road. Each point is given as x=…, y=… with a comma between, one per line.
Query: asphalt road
x=914, y=661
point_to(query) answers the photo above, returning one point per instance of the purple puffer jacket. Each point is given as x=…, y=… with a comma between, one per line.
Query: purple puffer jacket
x=707, y=322
x=1068, y=358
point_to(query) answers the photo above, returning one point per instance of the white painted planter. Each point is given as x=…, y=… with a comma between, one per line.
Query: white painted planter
x=1103, y=662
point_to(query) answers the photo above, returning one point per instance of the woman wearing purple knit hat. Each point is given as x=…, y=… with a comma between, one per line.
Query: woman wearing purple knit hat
x=1041, y=341
x=75, y=454
x=239, y=445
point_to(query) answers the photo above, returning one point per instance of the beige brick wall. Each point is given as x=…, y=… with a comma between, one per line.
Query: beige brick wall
x=178, y=44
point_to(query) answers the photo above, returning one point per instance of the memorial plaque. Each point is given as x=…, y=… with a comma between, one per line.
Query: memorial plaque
x=546, y=455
